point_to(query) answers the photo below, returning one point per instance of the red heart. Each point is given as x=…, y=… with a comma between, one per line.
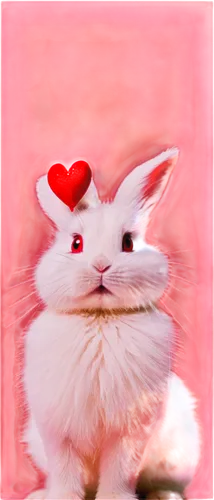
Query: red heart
x=70, y=185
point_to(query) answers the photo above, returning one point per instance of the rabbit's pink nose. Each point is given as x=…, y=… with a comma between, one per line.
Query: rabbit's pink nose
x=102, y=269
x=101, y=264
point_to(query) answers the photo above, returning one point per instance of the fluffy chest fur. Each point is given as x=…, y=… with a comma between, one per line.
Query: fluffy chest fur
x=88, y=373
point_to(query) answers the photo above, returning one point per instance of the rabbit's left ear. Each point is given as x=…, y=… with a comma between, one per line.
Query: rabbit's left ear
x=56, y=210
x=144, y=186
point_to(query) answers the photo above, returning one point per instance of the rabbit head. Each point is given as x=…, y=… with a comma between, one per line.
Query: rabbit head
x=100, y=259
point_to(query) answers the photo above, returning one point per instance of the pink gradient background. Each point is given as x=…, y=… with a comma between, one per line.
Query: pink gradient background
x=114, y=83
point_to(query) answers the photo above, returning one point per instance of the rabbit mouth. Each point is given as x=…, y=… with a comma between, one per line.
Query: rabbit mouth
x=101, y=290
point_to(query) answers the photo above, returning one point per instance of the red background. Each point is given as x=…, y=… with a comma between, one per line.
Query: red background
x=114, y=83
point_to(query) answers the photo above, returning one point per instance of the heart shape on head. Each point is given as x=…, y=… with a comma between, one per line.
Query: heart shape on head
x=70, y=185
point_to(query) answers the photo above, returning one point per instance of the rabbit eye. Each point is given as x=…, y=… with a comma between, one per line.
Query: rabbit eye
x=128, y=244
x=130, y=241
x=77, y=244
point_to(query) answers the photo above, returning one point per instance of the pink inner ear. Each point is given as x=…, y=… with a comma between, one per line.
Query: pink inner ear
x=155, y=178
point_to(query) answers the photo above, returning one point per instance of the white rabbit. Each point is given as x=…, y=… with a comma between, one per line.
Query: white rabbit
x=106, y=411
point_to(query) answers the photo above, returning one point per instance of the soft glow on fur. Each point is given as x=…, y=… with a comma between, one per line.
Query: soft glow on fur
x=98, y=359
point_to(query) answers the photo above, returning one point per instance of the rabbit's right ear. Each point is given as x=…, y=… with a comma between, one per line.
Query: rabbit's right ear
x=56, y=210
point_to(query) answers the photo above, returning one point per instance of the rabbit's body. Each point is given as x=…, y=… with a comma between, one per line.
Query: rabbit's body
x=107, y=383
x=104, y=405
x=78, y=406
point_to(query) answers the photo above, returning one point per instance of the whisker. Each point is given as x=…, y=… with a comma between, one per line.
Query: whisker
x=65, y=256
x=133, y=288
x=172, y=286
x=181, y=251
x=181, y=264
x=17, y=320
x=183, y=314
x=35, y=290
x=69, y=257
x=182, y=279
x=175, y=340
x=59, y=299
x=174, y=318
x=170, y=312
x=152, y=305
x=22, y=298
x=11, y=287
x=23, y=269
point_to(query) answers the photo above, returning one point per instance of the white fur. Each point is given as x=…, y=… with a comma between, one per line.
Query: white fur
x=65, y=280
x=55, y=208
x=108, y=360
x=180, y=430
x=98, y=365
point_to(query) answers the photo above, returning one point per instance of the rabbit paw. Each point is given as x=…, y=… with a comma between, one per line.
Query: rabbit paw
x=164, y=495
